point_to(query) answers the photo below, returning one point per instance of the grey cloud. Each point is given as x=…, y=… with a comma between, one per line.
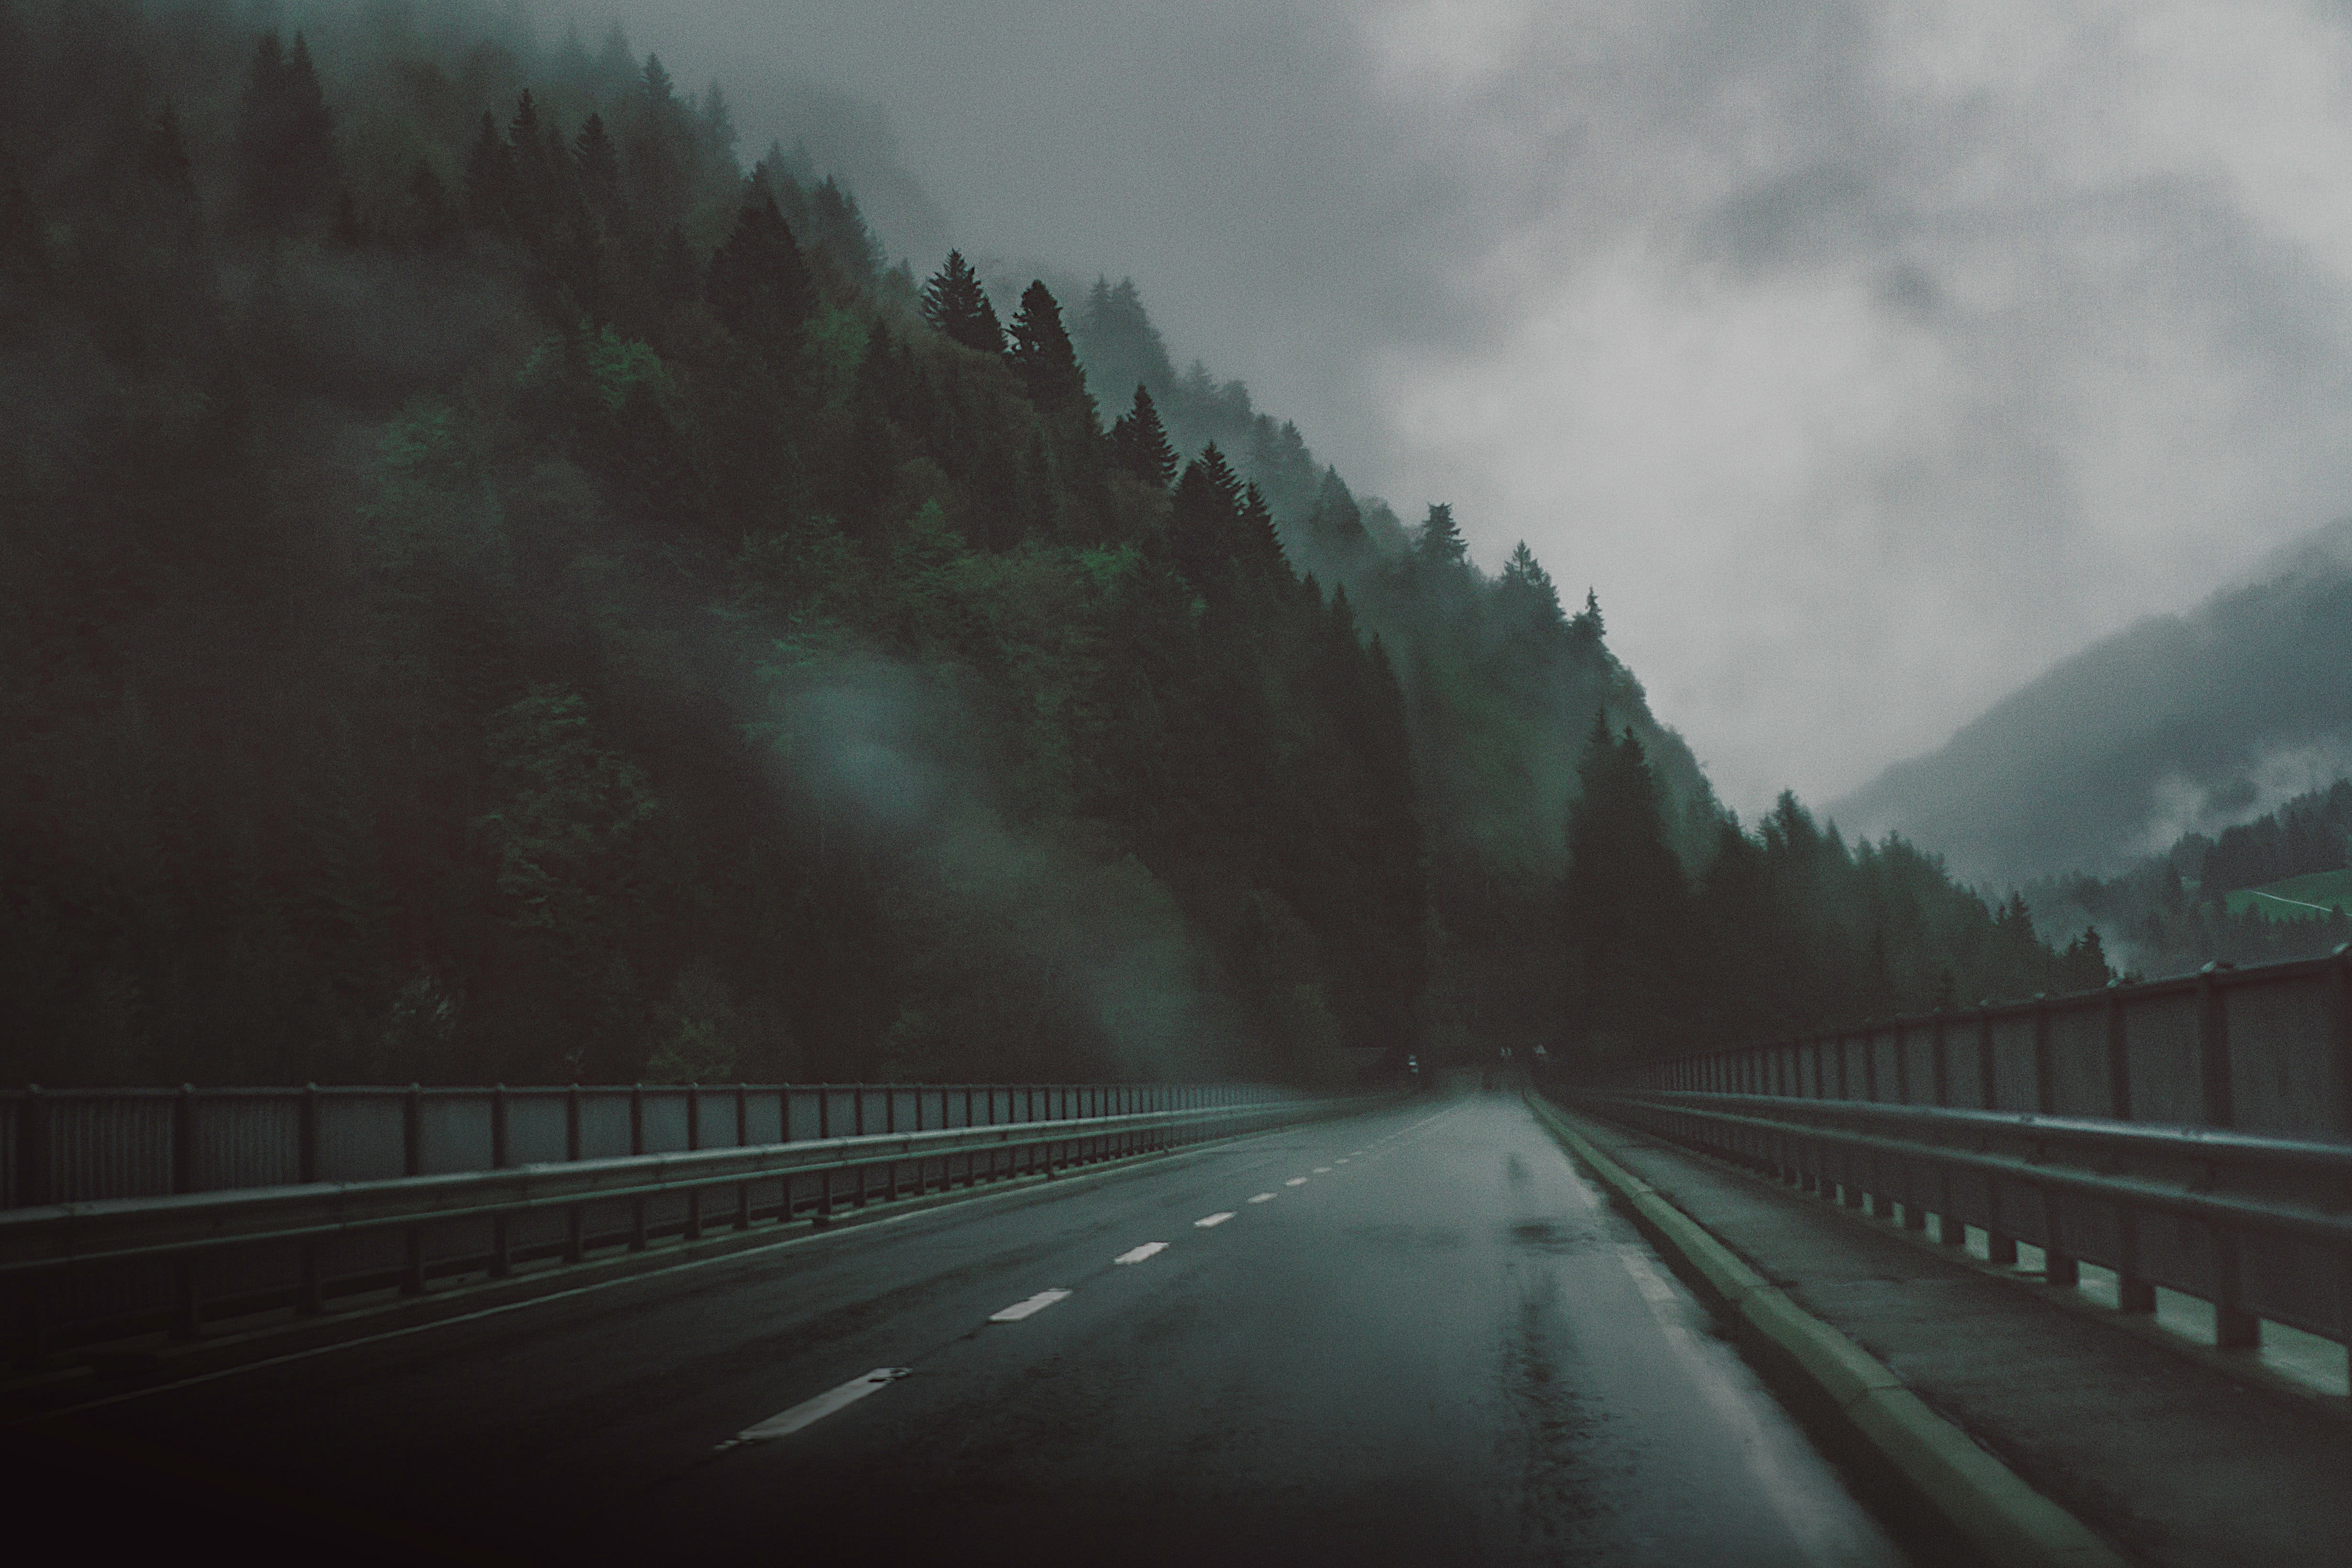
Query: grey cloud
x=1867, y=358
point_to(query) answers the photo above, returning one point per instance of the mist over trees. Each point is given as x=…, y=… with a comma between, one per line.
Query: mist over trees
x=2171, y=913
x=2179, y=722
x=496, y=588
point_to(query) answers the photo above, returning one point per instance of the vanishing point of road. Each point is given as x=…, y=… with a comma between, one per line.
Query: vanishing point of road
x=1412, y=1335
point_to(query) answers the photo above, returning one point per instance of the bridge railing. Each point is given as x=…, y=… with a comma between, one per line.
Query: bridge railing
x=102, y=1266
x=69, y=1145
x=2193, y=1133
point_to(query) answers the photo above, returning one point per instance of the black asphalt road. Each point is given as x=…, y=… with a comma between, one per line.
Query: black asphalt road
x=1438, y=1347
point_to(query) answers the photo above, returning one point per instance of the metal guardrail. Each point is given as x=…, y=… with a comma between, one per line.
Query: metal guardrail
x=248, y=1249
x=65, y=1146
x=2194, y=1134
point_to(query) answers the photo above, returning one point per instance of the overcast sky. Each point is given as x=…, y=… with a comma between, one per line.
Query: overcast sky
x=1866, y=357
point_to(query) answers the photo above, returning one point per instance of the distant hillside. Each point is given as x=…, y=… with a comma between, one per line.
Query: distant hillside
x=2178, y=724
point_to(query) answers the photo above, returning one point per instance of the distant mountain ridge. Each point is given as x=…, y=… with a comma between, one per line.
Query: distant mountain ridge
x=2176, y=724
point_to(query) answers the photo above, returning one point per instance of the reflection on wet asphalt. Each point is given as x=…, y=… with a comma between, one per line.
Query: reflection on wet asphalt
x=1441, y=1348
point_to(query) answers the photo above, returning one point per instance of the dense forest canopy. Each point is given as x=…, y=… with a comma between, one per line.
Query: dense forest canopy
x=500, y=585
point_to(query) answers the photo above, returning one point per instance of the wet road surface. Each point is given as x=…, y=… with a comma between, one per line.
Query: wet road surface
x=1412, y=1336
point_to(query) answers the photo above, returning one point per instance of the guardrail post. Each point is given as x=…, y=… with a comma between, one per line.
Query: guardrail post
x=693, y=1141
x=1951, y=1230
x=187, y=1299
x=501, y=1224
x=575, y=1239
x=411, y=1163
x=305, y=1136
x=184, y=1138
x=2000, y=1248
x=2234, y=1328
x=743, y=1140
x=310, y=1293
x=2133, y=1293
x=636, y=1147
x=33, y=1191
x=2343, y=1042
x=862, y=1172
x=33, y=1148
x=2058, y=1266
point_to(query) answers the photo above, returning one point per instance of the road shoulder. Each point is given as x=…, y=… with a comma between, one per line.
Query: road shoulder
x=2035, y=1431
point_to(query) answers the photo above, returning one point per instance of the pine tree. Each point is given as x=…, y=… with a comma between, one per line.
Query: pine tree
x=599, y=164
x=1335, y=519
x=1042, y=354
x=287, y=173
x=530, y=195
x=1260, y=542
x=1624, y=897
x=717, y=123
x=1587, y=628
x=1529, y=588
x=758, y=285
x=838, y=228
x=1440, y=543
x=956, y=305
x=1140, y=443
x=489, y=179
x=1205, y=521
x=1116, y=341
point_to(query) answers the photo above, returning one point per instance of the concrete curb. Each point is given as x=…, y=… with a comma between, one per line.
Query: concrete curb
x=1978, y=1499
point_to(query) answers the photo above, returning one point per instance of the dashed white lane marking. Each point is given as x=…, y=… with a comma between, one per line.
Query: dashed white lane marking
x=1344, y=1159
x=1215, y=1219
x=1137, y=1253
x=1322, y=1170
x=810, y=1411
x=1020, y=1309
x=1296, y=1182
x=1265, y=1198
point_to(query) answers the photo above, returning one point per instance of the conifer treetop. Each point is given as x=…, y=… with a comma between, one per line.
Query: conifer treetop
x=956, y=305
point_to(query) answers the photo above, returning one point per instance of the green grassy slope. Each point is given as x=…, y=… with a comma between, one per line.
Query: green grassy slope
x=2295, y=898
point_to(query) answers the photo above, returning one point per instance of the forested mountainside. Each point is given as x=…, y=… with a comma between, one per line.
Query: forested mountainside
x=2172, y=912
x=2180, y=724
x=492, y=587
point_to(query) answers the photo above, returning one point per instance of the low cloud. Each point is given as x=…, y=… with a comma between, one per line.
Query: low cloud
x=1866, y=357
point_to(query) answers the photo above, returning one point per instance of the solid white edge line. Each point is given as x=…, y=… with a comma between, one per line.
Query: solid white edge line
x=1137, y=1253
x=1218, y=1218
x=1037, y=1303
x=810, y=1411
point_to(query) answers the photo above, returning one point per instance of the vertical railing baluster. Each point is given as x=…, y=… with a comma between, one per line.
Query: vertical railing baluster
x=575, y=1217
x=638, y=1148
x=411, y=1162
x=309, y=1291
x=501, y=1221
